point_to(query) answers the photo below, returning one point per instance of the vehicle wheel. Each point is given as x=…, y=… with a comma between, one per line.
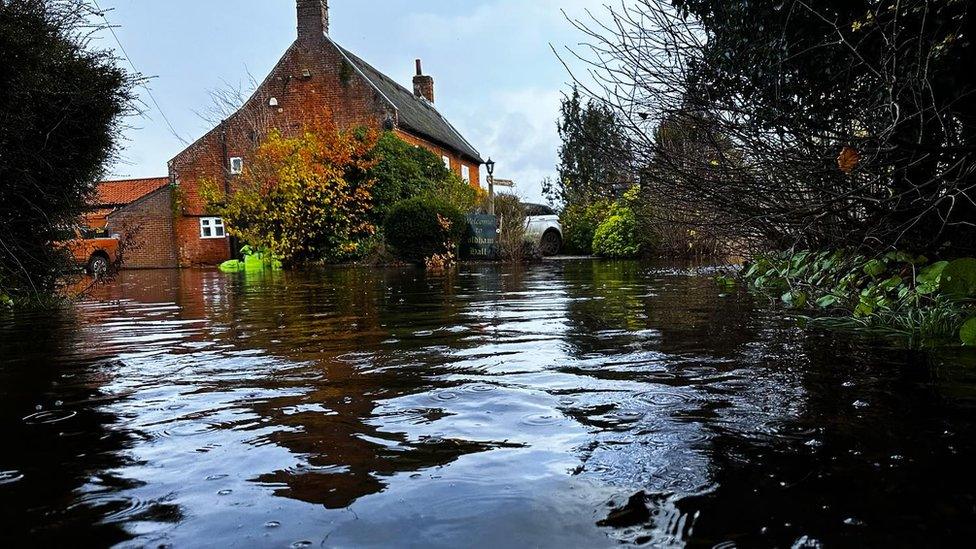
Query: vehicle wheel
x=98, y=266
x=551, y=243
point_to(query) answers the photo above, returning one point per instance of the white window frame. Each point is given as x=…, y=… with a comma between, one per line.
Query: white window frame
x=447, y=161
x=465, y=173
x=216, y=227
x=236, y=165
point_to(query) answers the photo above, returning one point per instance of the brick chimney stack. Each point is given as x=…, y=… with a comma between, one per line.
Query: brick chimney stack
x=423, y=86
x=313, y=19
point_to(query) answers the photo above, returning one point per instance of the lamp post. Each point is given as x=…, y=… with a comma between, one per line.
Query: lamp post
x=490, y=165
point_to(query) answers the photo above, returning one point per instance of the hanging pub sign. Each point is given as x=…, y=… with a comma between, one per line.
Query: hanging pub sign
x=482, y=237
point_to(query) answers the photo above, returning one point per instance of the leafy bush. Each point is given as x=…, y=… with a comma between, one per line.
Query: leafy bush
x=456, y=192
x=422, y=227
x=616, y=237
x=61, y=106
x=402, y=171
x=928, y=302
x=303, y=199
x=580, y=222
x=512, y=245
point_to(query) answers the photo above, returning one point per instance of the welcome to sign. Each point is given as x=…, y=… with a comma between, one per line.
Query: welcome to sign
x=482, y=239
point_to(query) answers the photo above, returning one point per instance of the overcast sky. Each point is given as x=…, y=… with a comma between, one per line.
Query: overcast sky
x=496, y=77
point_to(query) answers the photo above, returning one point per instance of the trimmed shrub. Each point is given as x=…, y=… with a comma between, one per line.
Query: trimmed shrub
x=616, y=237
x=580, y=222
x=402, y=171
x=456, y=192
x=422, y=227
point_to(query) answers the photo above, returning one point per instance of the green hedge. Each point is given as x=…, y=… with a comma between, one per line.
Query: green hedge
x=414, y=231
x=616, y=237
x=580, y=222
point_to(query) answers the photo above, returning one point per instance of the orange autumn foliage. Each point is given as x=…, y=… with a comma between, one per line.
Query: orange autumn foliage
x=848, y=159
x=302, y=198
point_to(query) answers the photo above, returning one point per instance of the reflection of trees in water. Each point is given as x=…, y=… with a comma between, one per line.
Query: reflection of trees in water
x=833, y=437
x=875, y=452
x=61, y=441
x=333, y=323
x=614, y=304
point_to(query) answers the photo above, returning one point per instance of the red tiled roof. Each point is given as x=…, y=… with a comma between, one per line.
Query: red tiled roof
x=119, y=193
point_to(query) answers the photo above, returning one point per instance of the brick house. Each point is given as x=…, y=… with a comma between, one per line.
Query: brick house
x=141, y=211
x=314, y=76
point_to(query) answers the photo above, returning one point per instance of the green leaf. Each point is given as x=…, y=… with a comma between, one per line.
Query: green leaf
x=725, y=281
x=932, y=274
x=959, y=279
x=968, y=333
x=892, y=283
x=863, y=310
x=827, y=301
x=875, y=268
x=901, y=257
x=795, y=300
x=867, y=306
x=929, y=279
x=232, y=266
x=788, y=299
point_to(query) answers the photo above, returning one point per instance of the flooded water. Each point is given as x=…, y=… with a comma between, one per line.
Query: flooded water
x=570, y=404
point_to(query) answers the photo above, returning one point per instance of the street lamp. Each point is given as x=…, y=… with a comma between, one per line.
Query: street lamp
x=490, y=165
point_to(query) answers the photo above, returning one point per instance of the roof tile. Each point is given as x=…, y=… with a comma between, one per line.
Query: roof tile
x=120, y=193
x=416, y=114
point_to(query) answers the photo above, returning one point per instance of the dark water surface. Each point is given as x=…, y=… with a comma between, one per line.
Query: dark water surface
x=571, y=404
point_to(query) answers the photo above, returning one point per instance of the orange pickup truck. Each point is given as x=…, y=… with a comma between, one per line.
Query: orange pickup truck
x=95, y=249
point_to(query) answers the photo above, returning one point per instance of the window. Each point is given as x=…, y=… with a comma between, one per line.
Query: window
x=90, y=233
x=236, y=165
x=535, y=210
x=466, y=173
x=447, y=162
x=212, y=227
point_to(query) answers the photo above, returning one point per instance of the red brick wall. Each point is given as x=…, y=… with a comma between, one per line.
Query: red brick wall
x=333, y=88
x=146, y=228
x=331, y=82
x=456, y=160
x=195, y=251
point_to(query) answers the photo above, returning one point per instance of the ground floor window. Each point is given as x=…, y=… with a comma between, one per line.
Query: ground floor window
x=212, y=227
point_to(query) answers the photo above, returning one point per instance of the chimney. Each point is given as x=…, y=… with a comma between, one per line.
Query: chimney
x=313, y=19
x=423, y=86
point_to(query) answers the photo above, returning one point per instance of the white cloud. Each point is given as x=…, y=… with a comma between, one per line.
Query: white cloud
x=521, y=138
x=497, y=78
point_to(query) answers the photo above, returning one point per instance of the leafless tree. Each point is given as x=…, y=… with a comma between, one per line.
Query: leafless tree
x=884, y=156
x=238, y=102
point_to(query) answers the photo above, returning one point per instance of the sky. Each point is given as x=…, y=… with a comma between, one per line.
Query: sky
x=496, y=77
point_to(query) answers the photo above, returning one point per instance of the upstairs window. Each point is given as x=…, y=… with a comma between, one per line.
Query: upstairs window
x=212, y=227
x=447, y=161
x=236, y=165
x=466, y=173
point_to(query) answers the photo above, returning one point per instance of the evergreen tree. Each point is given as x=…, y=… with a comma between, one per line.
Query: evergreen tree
x=60, y=107
x=594, y=159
